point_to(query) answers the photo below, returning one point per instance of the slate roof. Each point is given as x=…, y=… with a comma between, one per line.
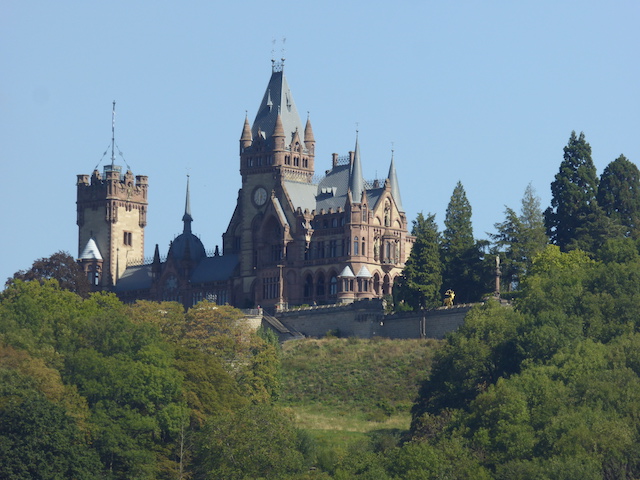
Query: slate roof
x=332, y=189
x=215, y=269
x=277, y=99
x=137, y=277
x=210, y=269
x=302, y=194
x=91, y=251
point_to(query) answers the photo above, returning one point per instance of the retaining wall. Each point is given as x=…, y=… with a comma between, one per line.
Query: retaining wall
x=366, y=319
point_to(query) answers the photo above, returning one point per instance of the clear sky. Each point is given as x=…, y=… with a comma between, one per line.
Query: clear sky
x=482, y=92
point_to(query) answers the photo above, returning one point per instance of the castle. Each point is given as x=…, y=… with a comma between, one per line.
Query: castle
x=293, y=238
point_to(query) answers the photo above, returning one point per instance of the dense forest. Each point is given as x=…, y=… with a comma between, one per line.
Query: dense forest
x=544, y=386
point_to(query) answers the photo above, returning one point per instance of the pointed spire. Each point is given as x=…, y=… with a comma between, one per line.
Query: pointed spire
x=356, y=182
x=269, y=102
x=246, y=139
x=156, y=255
x=187, y=218
x=278, y=129
x=395, y=187
x=277, y=100
x=308, y=132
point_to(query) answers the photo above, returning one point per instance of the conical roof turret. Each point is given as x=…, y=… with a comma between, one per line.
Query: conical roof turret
x=278, y=129
x=246, y=137
x=395, y=187
x=356, y=182
x=308, y=133
x=91, y=251
x=277, y=101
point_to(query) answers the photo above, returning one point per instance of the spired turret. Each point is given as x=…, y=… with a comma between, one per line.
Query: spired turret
x=395, y=187
x=275, y=139
x=356, y=181
x=309, y=139
x=187, y=246
x=246, y=138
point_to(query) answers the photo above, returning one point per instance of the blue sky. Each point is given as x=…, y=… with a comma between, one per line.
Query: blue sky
x=482, y=92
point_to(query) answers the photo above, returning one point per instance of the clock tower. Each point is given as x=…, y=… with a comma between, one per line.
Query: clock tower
x=275, y=148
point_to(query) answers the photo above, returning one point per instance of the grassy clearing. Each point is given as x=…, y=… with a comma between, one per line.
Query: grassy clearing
x=318, y=418
x=344, y=391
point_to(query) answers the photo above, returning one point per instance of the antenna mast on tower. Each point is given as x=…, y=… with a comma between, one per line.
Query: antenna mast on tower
x=113, y=134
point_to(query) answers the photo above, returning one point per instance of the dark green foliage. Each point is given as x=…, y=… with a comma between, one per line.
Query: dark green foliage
x=60, y=266
x=520, y=238
x=446, y=458
x=419, y=285
x=474, y=357
x=573, y=194
x=619, y=194
x=259, y=441
x=38, y=439
x=548, y=390
x=463, y=270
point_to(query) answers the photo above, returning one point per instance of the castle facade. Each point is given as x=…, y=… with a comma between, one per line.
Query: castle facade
x=294, y=238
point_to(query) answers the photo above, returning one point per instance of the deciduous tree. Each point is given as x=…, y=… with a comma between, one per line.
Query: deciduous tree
x=60, y=266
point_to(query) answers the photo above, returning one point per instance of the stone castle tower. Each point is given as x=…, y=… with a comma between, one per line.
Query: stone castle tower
x=112, y=214
x=301, y=239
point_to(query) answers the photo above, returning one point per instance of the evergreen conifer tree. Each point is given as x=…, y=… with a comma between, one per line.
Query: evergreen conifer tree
x=419, y=285
x=461, y=259
x=619, y=194
x=520, y=237
x=573, y=194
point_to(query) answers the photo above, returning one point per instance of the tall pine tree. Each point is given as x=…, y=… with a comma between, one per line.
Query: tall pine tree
x=520, y=237
x=619, y=194
x=419, y=285
x=575, y=220
x=573, y=194
x=461, y=258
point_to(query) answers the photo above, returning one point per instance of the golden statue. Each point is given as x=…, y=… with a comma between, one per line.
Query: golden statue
x=449, y=295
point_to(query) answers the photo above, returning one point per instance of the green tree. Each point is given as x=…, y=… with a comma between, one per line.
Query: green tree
x=461, y=256
x=38, y=439
x=619, y=194
x=60, y=266
x=573, y=193
x=475, y=356
x=520, y=237
x=419, y=285
x=259, y=441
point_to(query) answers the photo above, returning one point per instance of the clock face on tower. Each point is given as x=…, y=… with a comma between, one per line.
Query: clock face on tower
x=260, y=196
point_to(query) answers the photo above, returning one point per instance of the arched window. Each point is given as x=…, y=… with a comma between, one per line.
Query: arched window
x=364, y=250
x=333, y=285
x=320, y=286
x=308, y=286
x=364, y=213
x=355, y=246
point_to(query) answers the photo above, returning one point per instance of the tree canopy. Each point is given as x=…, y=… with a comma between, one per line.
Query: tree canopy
x=573, y=192
x=419, y=286
x=60, y=266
